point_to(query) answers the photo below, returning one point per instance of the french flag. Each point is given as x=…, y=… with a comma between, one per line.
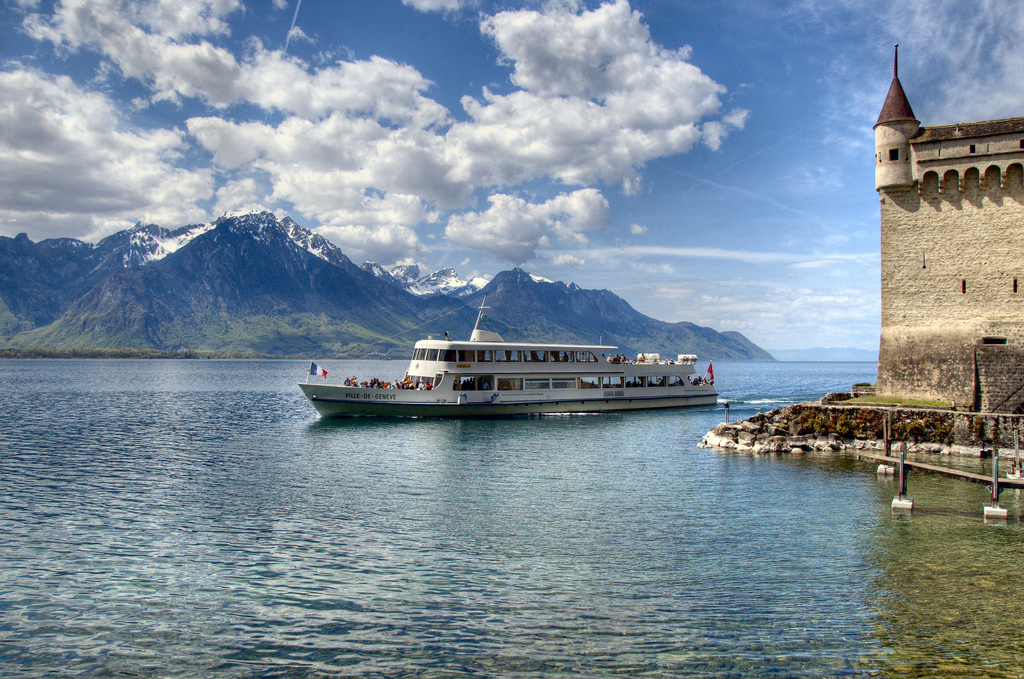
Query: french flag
x=315, y=370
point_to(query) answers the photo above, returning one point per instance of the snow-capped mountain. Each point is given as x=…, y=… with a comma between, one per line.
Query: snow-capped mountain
x=445, y=281
x=145, y=243
x=256, y=283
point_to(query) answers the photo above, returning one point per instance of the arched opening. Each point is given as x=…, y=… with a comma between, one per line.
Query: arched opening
x=972, y=180
x=951, y=183
x=930, y=183
x=993, y=179
x=1014, y=178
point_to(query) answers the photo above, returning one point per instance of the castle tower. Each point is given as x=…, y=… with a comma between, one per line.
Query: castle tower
x=951, y=207
x=895, y=128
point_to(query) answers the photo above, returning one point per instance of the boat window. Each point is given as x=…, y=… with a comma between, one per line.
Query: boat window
x=659, y=381
x=563, y=383
x=466, y=383
x=484, y=355
x=510, y=383
x=612, y=381
x=589, y=382
x=535, y=356
x=419, y=355
x=466, y=356
x=560, y=356
x=437, y=380
x=535, y=384
x=448, y=355
x=484, y=382
x=635, y=382
x=585, y=357
x=507, y=355
x=675, y=381
x=431, y=355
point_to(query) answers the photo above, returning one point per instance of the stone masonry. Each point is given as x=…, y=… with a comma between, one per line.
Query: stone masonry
x=952, y=246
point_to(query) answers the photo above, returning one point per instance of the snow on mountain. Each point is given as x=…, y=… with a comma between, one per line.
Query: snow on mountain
x=312, y=242
x=406, y=274
x=145, y=243
x=382, y=273
x=445, y=281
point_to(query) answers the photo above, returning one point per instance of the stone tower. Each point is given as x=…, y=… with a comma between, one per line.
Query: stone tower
x=952, y=245
x=895, y=128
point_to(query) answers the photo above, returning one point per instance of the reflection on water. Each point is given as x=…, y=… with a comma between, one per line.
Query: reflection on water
x=197, y=518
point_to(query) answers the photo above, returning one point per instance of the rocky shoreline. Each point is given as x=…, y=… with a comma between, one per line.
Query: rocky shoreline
x=827, y=425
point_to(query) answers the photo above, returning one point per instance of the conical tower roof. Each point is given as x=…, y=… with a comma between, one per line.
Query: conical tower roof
x=896, y=107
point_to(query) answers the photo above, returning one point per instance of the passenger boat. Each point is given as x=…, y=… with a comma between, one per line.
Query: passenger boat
x=487, y=377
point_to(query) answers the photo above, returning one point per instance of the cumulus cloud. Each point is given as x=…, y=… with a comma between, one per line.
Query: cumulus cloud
x=598, y=99
x=637, y=230
x=72, y=166
x=362, y=148
x=512, y=229
x=388, y=244
x=438, y=5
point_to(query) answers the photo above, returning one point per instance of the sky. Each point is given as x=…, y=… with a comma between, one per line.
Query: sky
x=709, y=162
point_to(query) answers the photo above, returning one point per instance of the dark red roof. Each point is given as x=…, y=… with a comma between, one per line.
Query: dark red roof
x=984, y=128
x=896, y=107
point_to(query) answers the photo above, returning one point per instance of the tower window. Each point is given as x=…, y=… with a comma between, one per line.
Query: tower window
x=963, y=286
x=924, y=264
x=1022, y=143
x=1015, y=285
x=972, y=149
x=894, y=154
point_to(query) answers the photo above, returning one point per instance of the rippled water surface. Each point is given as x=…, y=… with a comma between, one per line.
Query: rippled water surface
x=196, y=518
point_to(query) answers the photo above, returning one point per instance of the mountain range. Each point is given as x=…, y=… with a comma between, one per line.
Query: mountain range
x=254, y=283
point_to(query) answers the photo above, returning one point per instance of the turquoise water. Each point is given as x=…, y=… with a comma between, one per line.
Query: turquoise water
x=196, y=518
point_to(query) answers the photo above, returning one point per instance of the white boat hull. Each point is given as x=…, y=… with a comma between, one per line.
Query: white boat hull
x=335, y=401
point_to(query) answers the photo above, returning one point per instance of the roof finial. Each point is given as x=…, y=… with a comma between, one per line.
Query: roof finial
x=896, y=61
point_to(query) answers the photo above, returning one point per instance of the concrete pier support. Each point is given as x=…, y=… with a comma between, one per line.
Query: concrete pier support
x=902, y=503
x=994, y=510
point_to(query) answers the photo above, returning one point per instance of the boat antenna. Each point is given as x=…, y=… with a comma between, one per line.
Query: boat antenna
x=481, y=316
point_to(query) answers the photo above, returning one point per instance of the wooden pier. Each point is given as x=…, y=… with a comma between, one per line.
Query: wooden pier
x=984, y=479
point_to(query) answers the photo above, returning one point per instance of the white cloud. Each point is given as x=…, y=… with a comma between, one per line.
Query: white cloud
x=363, y=148
x=969, y=54
x=239, y=196
x=388, y=244
x=438, y=5
x=769, y=314
x=599, y=99
x=71, y=165
x=637, y=230
x=512, y=229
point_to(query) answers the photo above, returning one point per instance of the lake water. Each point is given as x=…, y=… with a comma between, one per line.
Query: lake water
x=196, y=518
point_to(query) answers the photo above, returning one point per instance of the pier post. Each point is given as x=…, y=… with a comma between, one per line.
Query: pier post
x=1015, y=471
x=726, y=403
x=902, y=503
x=994, y=510
x=887, y=433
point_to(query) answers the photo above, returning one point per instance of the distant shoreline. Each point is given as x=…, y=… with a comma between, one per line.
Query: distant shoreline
x=189, y=354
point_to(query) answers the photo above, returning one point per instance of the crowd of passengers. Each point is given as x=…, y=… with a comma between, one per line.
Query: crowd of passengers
x=407, y=383
x=621, y=358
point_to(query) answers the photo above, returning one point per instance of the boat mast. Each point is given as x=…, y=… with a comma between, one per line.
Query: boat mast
x=480, y=314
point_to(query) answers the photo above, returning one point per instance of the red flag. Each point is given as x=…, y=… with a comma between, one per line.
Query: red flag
x=314, y=370
x=711, y=373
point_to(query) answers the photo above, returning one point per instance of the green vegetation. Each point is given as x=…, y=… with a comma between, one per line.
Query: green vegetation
x=882, y=399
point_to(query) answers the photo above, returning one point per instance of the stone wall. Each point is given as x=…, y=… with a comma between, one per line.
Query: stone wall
x=1000, y=371
x=952, y=273
x=820, y=426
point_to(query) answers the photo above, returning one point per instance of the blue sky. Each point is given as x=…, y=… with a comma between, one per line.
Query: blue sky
x=709, y=162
